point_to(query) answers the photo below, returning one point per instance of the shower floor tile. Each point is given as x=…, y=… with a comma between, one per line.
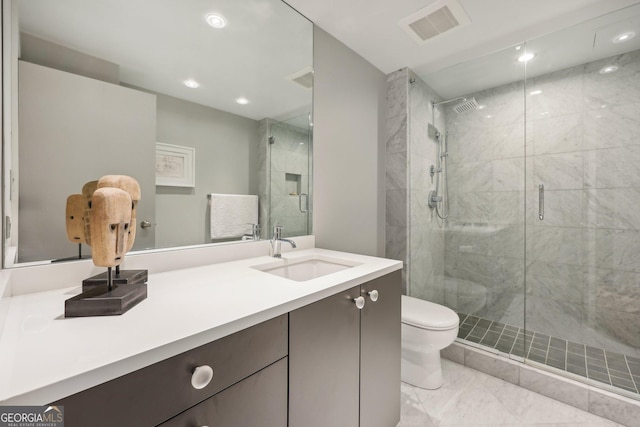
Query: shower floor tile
x=613, y=369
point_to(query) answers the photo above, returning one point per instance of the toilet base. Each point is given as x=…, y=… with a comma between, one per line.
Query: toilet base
x=421, y=369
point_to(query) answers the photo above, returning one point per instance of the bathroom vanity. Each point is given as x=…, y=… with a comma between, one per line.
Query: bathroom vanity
x=306, y=340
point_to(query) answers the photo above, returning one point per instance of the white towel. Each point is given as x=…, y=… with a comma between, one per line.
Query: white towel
x=230, y=214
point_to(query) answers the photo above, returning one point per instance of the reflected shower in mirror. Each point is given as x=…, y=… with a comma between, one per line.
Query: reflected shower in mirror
x=102, y=88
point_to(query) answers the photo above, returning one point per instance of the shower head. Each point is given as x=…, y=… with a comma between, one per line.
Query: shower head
x=466, y=105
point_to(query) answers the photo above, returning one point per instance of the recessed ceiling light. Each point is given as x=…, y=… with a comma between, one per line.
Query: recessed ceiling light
x=191, y=84
x=608, y=69
x=526, y=57
x=482, y=107
x=518, y=47
x=620, y=38
x=216, y=21
x=535, y=92
x=242, y=101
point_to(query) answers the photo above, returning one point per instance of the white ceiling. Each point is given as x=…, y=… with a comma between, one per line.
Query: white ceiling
x=370, y=28
x=160, y=43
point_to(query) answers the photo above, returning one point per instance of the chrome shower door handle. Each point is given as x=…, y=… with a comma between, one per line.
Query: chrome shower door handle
x=304, y=209
x=541, y=202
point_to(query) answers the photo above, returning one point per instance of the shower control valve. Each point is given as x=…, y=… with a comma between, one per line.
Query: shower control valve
x=434, y=199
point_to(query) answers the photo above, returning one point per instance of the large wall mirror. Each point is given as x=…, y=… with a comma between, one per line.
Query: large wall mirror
x=191, y=98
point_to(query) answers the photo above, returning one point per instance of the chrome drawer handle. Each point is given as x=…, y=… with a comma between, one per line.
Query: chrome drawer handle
x=201, y=376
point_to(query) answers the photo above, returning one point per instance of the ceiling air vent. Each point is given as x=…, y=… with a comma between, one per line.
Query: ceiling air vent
x=435, y=19
x=303, y=77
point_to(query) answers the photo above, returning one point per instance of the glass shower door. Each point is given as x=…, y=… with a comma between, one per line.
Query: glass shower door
x=290, y=148
x=483, y=234
x=583, y=203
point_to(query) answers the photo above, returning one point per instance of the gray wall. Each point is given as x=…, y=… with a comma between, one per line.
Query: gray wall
x=44, y=52
x=74, y=129
x=226, y=160
x=348, y=156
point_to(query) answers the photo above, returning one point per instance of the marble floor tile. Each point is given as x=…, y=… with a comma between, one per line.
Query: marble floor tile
x=472, y=398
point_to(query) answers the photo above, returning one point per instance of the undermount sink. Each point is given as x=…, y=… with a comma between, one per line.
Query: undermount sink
x=306, y=268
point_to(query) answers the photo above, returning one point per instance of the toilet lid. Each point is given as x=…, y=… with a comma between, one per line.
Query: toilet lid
x=427, y=315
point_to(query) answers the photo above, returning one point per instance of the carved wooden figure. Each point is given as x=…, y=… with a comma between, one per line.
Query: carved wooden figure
x=131, y=186
x=110, y=219
x=75, y=218
x=87, y=193
x=110, y=215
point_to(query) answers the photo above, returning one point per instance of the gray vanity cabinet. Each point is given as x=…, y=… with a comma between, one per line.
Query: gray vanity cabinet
x=344, y=363
x=156, y=393
x=324, y=366
x=380, y=353
x=257, y=401
x=331, y=363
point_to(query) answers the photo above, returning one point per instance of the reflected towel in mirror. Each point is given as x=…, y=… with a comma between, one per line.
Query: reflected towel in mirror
x=230, y=214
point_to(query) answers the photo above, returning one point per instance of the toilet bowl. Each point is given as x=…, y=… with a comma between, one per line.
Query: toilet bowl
x=426, y=328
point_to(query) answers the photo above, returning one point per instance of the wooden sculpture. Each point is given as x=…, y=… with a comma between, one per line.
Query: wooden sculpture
x=87, y=193
x=110, y=221
x=75, y=223
x=132, y=187
x=75, y=218
x=109, y=208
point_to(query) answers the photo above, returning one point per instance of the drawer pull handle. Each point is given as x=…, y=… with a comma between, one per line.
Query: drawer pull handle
x=201, y=377
x=359, y=302
x=373, y=295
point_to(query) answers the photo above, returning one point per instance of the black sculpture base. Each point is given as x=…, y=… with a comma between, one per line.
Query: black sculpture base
x=124, y=277
x=99, y=301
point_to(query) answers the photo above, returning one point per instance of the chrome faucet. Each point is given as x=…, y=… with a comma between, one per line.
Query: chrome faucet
x=276, y=241
x=255, y=231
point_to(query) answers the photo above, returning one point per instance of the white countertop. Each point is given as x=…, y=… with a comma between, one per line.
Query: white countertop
x=45, y=356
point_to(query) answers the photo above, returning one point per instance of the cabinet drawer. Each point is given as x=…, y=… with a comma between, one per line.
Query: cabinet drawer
x=158, y=392
x=257, y=401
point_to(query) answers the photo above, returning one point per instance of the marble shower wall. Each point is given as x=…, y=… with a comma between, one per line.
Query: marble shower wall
x=289, y=178
x=283, y=171
x=583, y=144
x=397, y=183
x=426, y=236
x=413, y=232
x=264, y=177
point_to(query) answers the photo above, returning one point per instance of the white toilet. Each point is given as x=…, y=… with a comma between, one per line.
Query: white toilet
x=427, y=328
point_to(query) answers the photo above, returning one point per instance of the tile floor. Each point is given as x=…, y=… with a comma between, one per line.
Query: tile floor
x=471, y=398
x=607, y=367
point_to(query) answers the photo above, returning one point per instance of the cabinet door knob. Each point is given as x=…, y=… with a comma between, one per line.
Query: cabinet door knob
x=373, y=295
x=359, y=302
x=145, y=224
x=201, y=377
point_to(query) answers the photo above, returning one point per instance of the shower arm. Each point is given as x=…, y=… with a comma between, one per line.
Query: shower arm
x=435, y=104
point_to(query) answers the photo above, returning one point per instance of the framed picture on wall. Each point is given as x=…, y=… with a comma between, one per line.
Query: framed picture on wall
x=175, y=165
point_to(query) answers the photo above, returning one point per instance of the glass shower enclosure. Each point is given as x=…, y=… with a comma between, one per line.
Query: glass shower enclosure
x=289, y=149
x=535, y=151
